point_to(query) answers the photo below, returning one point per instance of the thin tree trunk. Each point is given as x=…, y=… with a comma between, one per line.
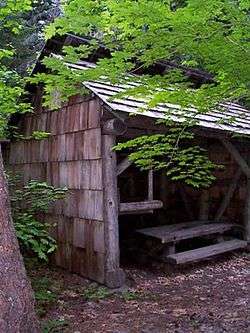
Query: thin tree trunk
x=17, y=314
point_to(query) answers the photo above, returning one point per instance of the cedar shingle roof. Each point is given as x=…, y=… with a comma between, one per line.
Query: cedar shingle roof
x=233, y=117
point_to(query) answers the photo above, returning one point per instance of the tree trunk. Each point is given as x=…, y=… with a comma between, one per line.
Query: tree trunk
x=17, y=314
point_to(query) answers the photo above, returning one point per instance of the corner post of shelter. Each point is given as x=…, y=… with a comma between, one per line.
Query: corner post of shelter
x=114, y=276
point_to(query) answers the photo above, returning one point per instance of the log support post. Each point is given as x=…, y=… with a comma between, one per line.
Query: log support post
x=114, y=276
x=150, y=185
x=163, y=188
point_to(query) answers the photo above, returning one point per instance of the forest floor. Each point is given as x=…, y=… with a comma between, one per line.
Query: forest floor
x=211, y=297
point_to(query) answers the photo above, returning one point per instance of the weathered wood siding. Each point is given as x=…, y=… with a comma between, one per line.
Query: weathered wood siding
x=70, y=157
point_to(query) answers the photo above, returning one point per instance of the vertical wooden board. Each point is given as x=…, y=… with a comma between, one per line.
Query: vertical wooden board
x=61, y=120
x=73, y=118
x=61, y=144
x=30, y=150
x=49, y=173
x=98, y=201
x=79, y=264
x=53, y=148
x=64, y=229
x=52, y=124
x=37, y=171
x=98, y=234
x=79, y=239
x=94, y=113
x=91, y=205
x=94, y=260
x=42, y=122
x=91, y=174
x=92, y=144
x=74, y=174
x=53, y=174
x=63, y=174
x=27, y=146
x=33, y=125
x=26, y=173
x=76, y=124
x=66, y=118
x=70, y=146
x=96, y=175
x=35, y=151
x=83, y=116
x=44, y=150
x=71, y=203
x=63, y=255
x=79, y=145
x=95, y=265
x=85, y=177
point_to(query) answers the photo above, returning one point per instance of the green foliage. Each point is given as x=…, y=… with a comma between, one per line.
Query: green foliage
x=205, y=36
x=174, y=152
x=34, y=235
x=39, y=135
x=211, y=35
x=27, y=202
x=37, y=197
x=45, y=294
x=21, y=22
x=94, y=293
x=11, y=85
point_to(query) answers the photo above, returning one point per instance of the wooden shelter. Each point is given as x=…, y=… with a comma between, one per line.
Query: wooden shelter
x=104, y=188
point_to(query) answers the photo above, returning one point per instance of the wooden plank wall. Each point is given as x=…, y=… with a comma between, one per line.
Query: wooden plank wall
x=70, y=157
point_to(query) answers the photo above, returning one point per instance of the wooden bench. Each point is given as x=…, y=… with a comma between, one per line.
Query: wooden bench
x=171, y=234
x=206, y=251
x=177, y=232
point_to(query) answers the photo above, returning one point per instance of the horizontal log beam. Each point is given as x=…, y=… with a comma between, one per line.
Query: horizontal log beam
x=237, y=156
x=129, y=207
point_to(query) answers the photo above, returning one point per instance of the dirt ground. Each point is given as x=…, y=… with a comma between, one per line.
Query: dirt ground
x=211, y=297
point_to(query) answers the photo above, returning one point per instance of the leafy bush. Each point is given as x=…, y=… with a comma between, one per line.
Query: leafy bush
x=34, y=235
x=28, y=201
